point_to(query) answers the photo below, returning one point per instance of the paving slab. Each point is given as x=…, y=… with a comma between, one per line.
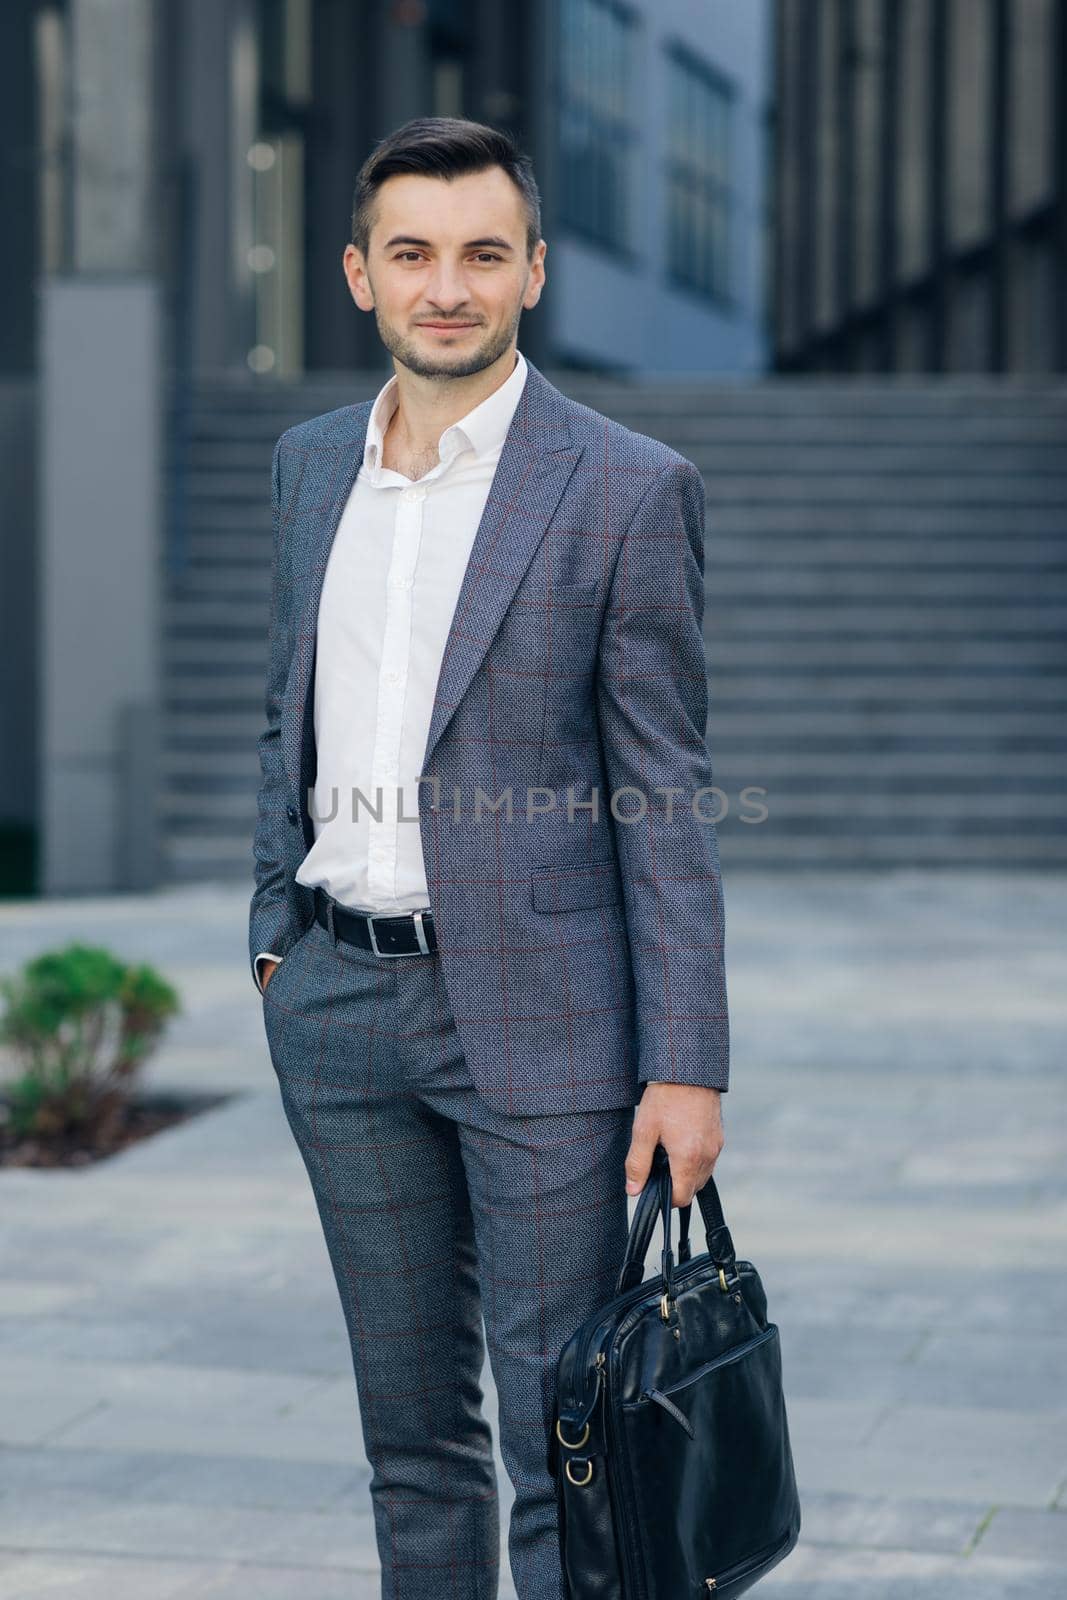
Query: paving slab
x=1013, y=1533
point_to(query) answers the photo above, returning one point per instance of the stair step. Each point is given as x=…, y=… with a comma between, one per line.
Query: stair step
x=922, y=770
x=779, y=621
x=955, y=489
x=884, y=556
x=250, y=442
x=855, y=583
x=206, y=856
x=799, y=521
x=252, y=550
x=734, y=584
x=772, y=619
x=911, y=723
x=952, y=486
x=820, y=657
x=921, y=455
x=817, y=808
x=960, y=395
x=872, y=519
x=740, y=694
x=810, y=737
x=989, y=691
x=740, y=846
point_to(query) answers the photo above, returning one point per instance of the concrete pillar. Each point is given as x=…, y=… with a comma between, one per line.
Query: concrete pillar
x=99, y=568
x=100, y=486
x=404, y=61
x=113, y=160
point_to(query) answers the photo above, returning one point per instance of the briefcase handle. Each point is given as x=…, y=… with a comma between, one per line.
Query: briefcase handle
x=656, y=1196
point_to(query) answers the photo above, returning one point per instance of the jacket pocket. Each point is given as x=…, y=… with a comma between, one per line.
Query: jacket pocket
x=566, y=595
x=574, y=884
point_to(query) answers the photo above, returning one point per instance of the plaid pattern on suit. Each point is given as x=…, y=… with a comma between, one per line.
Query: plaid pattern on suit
x=582, y=955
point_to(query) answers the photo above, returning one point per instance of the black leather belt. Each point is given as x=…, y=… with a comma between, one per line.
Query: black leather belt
x=407, y=934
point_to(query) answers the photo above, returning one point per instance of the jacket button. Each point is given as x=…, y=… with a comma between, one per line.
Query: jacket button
x=293, y=814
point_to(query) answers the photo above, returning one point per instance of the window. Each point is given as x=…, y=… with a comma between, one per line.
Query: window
x=597, y=135
x=699, y=111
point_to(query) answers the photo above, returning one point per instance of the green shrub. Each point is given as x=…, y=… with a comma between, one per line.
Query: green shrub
x=79, y=1023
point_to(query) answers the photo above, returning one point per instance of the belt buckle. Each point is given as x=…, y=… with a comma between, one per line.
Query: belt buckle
x=385, y=954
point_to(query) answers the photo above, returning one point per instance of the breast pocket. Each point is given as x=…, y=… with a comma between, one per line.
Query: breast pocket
x=568, y=595
x=571, y=885
x=571, y=619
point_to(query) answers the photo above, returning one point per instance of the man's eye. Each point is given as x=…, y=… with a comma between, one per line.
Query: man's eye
x=483, y=255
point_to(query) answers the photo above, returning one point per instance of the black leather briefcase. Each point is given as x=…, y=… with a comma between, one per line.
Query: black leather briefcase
x=669, y=1442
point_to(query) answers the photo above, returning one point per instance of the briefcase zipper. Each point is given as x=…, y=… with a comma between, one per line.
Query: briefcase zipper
x=634, y=1590
x=740, y=1568
x=635, y=1586
x=580, y=1368
x=640, y=1291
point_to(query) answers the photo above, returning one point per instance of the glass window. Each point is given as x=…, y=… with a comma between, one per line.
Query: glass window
x=868, y=153
x=912, y=113
x=1031, y=138
x=596, y=130
x=699, y=200
x=970, y=122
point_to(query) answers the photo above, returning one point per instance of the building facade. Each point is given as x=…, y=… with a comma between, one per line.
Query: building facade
x=920, y=176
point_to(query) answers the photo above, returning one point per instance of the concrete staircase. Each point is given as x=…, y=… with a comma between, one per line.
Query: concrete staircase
x=886, y=575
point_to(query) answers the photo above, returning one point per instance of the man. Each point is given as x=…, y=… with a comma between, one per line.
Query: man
x=488, y=916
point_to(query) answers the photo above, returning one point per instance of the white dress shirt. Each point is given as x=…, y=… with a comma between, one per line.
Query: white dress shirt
x=389, y=594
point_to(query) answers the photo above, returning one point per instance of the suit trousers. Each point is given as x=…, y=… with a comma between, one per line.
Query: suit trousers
x=450, y=1227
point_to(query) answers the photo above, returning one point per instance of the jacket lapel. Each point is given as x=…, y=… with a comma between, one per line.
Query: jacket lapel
x=536, y=462
x=535, y=465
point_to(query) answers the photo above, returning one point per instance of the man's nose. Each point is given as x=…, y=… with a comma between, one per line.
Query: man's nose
x=447, y=291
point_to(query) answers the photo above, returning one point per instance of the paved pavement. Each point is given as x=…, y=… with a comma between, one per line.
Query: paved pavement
x=177, y=1410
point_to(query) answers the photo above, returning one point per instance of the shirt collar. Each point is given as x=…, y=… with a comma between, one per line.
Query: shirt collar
x=482, y=430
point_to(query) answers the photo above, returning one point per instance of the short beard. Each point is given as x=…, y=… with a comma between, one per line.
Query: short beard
x=406, y=351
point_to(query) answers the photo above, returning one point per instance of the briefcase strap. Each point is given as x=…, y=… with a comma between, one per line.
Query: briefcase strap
x=656, y=1197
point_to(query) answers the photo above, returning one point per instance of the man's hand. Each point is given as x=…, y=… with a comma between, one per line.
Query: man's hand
x=269, y=969
x=686, y=1119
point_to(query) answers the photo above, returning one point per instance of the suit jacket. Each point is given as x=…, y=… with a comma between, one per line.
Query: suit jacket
x=582, y=951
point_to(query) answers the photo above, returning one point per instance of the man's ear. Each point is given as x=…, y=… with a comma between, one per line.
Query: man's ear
x=357, y=278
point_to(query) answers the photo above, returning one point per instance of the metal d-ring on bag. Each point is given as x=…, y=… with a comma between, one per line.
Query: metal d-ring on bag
x=669, y=1442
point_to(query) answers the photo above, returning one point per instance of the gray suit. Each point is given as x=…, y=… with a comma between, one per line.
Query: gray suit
x=464, y=1115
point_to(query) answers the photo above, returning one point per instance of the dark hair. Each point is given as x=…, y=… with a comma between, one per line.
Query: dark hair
x=443, y=147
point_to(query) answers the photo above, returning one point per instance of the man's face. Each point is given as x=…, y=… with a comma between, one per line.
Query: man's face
x=447, y=275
